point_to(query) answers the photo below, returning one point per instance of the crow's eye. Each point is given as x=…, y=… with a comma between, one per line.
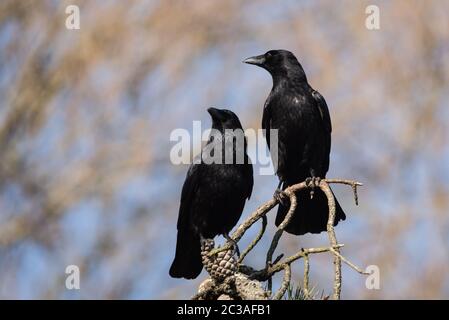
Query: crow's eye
x=271, y=53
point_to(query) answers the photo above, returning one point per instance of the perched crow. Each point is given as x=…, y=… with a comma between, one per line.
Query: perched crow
x=304, y=139
x=214, y=192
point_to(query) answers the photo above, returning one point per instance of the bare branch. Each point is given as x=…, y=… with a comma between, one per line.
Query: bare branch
x=285, y=264
x=324, y=186
x=278, y=234
x=285, y=283
x=265, y=274
x=282, y=226
x=255, y=241
x=253, y=218
x=353, y=184
x=349, y=263
x=305, y=285
x=267, y=206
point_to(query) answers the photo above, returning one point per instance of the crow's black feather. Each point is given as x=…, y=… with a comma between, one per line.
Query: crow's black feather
x=301, y=116
x=213, y=195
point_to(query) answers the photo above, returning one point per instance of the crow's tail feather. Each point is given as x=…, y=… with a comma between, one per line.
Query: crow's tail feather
x=187, y=263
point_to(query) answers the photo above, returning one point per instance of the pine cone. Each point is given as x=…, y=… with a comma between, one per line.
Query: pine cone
x=221, y=265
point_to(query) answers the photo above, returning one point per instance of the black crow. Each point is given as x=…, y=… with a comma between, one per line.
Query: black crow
x=301, y=116
x=214, y=192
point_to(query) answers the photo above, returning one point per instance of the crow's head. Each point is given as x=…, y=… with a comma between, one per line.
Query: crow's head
x=224, y=119
x=279, y=63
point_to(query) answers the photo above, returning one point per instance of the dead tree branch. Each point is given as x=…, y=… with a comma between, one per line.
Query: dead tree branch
x=305, y=285
x=256, y=240
x=285, y=283
x=324, y=186
x=249, y=274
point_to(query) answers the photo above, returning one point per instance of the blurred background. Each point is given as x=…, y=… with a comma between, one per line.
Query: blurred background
x=86, y=116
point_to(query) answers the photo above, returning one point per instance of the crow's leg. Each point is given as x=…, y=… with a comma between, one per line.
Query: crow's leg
x=234, y=243
x=312, y=182
x=280, y=195
x=205, y=241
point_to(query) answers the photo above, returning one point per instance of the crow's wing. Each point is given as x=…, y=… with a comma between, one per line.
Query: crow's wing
x=266, y=121
x=250, y=178
x=188, y=193
x=327, y=125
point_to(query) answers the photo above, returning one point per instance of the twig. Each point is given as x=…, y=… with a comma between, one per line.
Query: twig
x=349, y=263
x=306, y=277
x=278, y=234
x=282, y=226
x=259, y=213
x=353, y=184
x=300, y=254
x=238, y=234
x=285, y=283
x=265, y=274
x=324, y=186
x=255, y=241
x=278, y=258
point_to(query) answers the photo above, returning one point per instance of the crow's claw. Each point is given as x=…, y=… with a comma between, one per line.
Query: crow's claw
x=281, y=197
x=308, y=181
x=312, y=183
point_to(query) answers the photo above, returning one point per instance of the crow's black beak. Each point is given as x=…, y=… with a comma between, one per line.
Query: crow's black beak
x=256, y=60
x=215, y=113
